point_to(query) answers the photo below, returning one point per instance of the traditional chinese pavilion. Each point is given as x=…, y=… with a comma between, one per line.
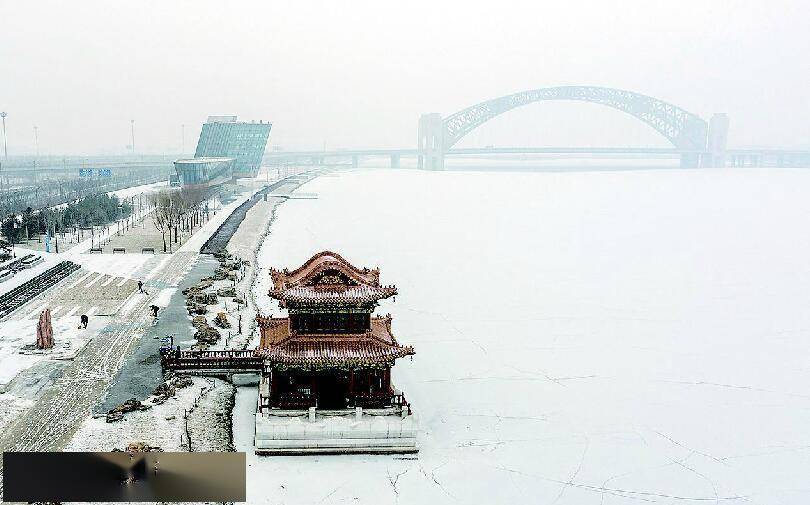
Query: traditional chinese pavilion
x=331, y=357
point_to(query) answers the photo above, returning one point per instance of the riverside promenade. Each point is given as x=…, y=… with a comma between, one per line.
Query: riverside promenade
x=48, y=421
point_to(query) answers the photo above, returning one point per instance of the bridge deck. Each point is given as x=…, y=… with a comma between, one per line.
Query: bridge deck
x=213, y=362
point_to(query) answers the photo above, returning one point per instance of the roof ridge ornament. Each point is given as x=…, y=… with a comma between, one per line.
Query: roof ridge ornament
x=328, y=279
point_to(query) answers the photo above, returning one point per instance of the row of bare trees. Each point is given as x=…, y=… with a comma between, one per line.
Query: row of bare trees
x=179, y=211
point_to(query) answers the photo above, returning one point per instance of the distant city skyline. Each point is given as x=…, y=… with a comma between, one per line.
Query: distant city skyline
x=361, y=73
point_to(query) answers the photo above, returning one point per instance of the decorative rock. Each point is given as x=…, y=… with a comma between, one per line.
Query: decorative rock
x=226, y=292
x=164, y=390
x=207, y=335
x=118, y=412
x=45, y=330
x=182, y=381
x=141, y=447
x=222, y=320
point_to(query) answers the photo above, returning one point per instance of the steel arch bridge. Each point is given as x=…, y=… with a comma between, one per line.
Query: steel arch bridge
x=686, y=131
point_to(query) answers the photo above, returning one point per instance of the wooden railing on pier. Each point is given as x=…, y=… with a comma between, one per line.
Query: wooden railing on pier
x=226, y=361
x=302, y=401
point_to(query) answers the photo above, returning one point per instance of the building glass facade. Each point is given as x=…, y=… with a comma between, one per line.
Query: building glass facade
x=224, y=136
x=204, y=172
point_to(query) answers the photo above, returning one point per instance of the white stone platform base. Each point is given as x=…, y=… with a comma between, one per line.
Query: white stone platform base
x=350, y=431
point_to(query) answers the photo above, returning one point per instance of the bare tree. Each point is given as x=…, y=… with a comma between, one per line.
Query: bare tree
x=173, y=210
x=161, y=214
x=177, y=209
x=193, y=199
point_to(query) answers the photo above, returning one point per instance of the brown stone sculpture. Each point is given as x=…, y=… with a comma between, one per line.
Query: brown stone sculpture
x=45, y=330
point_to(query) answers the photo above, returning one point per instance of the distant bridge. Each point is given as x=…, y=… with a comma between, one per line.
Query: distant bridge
x=731, y=157
x=695, y=141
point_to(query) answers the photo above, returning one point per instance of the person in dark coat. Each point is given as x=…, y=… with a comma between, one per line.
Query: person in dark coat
x=83, y=320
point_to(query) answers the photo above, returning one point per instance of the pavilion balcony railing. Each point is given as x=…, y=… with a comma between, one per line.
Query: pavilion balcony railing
x=377, y=400
x=293, y=401
x=303, y=401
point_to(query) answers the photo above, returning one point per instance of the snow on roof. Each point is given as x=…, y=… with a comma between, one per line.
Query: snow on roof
x=376, y=347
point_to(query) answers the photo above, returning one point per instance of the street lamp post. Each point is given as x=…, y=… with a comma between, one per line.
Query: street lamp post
x=5, y=139
x=16, y=227
x=36, y=145
x=132, y=133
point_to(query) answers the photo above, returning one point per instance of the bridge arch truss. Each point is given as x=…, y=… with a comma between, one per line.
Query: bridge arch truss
x=686, y=131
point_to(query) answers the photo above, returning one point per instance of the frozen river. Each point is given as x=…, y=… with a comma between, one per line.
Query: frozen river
x=581, y=338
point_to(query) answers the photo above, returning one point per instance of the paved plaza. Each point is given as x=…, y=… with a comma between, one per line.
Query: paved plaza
x=48, y=401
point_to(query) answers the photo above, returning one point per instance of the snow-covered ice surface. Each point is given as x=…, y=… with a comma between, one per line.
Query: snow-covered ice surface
x=581, y=338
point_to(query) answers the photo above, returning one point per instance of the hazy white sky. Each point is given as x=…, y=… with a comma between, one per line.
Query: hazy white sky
x=358, y=73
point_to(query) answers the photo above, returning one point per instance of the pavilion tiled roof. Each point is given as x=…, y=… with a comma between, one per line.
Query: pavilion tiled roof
x=353, y=295
x=328, y=279
x=377, y=347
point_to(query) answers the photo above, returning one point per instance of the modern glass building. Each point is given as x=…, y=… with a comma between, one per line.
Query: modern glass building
x=204, y=172
x=224, y=136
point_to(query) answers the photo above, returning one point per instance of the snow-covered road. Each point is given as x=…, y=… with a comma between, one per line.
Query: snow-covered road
x=581, y=338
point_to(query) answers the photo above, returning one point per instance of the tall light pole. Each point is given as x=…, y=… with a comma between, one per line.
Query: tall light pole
x=36, y=145
x=5, y=139
x=132, y=132
x=183, y=139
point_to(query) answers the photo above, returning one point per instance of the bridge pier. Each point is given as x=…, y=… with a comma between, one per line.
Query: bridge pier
x=430, y=142
x=395, y=161
x=355, y=160
x=716, y=141
x=690, y=160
